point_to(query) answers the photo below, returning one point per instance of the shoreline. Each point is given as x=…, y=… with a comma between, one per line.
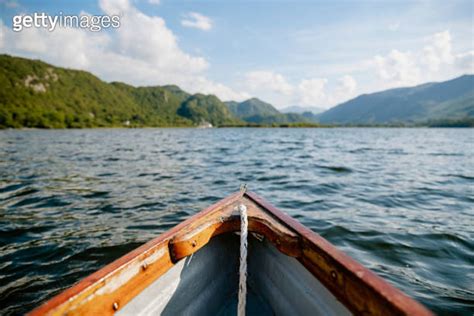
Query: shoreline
x=225, y=127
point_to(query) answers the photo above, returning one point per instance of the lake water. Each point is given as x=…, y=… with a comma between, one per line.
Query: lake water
x=400, y=201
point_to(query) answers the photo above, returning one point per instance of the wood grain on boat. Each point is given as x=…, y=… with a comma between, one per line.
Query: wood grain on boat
x=112, y=287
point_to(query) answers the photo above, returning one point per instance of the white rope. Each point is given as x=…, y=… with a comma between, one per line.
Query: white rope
x=243, y=260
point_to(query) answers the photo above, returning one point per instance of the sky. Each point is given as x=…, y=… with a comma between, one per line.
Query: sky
x=306, y=53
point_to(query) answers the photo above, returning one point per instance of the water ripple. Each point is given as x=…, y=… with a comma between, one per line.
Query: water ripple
x=398, y=200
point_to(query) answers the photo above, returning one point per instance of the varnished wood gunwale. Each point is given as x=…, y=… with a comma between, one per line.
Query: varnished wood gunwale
x=63, y=302
x=362, y=291
x=107, y=290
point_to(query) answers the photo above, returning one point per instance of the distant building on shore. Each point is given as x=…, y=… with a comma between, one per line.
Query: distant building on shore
x=205, y=124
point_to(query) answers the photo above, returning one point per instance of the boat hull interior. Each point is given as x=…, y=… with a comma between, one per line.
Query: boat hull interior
x=192, y=269
x=206, y=283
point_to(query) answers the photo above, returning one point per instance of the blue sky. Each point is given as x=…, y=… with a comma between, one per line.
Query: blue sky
x=312, y=53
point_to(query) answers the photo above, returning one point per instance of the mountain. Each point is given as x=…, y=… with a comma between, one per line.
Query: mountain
x=449, y=100
x=310, y=116
x=252, y=107
x=36, y=94
x=302, y=109
x=162, y=103
x=258, y=112
x=201, y=108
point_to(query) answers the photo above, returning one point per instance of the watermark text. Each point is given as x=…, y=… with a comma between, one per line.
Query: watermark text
x=94, y=23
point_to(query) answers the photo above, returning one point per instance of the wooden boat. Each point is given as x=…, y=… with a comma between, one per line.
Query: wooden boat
x=192, y=269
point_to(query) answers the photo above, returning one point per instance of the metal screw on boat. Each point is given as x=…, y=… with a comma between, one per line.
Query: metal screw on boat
x=115, y=306
x=144, y=266
x=193, y=243
x=334, y=275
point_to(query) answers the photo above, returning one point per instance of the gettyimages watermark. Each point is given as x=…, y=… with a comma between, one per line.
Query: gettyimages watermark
x=93, y=23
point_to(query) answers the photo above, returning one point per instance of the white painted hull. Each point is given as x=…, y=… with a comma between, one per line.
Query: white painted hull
x=192, y=269
x=206, y=284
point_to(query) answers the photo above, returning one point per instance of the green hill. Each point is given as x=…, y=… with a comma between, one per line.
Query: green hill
x=258, y=112
x=160, y=103
x=302, y=109
x=252, y=107
x=36, y=94
x=201, y=108
x=451, y=100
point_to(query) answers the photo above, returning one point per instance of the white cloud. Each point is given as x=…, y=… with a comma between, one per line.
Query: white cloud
x=203, y=85
x=160, y=50
x=312, y=91
x=154, y=2
x=465, y=62
x=127, y=54
x=433, y=62
x=269, y=80
x=130, y=54
x=397, y=68
x=348, y=84
x=345, y=90
x=275, y=88
x=315, y=92
x=197, y=21
x=116, y=7
x=438, y=51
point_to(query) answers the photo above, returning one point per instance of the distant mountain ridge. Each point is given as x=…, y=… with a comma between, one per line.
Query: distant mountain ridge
x=259, y=112
x=36, y=94
x=452, y=99
x=201, y=108
x=251, y=107
x=302, y=109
